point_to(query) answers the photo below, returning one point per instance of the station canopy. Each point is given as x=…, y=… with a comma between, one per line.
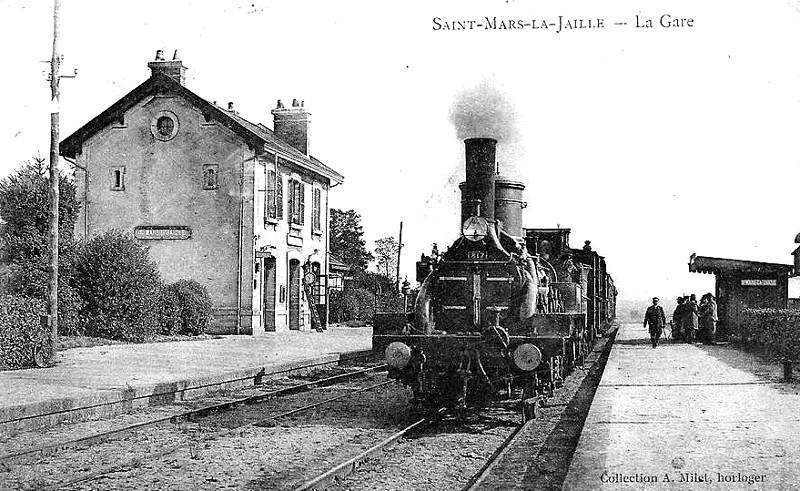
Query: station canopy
x=716, y=265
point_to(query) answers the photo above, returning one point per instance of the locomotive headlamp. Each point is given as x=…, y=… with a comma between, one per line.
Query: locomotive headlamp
x=397, y=354
x=475, y=228
x=527, y=357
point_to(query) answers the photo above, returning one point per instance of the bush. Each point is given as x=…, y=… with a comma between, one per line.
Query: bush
x=19, y=327
x=389, y=302
x=185, y=308
x=352, y=304
x=119, y=285
x=31, y=279
x=777, y=331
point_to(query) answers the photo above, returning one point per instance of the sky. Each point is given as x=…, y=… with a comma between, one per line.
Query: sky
x=653, y=143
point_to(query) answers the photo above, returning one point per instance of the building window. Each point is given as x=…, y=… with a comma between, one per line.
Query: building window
x=164, y=125
x=273, y=208
x=297, y=204
x=211, y=176
x=316, y=213
x=118, y=178
x=335, y=282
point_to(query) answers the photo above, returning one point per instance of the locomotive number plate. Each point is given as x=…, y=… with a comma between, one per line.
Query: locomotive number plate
x=476, y=255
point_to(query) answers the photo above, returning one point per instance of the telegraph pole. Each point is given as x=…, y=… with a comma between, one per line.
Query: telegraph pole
x=54, y=138
x=399, y=248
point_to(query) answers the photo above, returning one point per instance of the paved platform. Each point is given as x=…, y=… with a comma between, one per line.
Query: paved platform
x=105, y=380
x=688, y=417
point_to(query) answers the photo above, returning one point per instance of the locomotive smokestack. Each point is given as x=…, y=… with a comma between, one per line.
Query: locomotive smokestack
x=481, y=175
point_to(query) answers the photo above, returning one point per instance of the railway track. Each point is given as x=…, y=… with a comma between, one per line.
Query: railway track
x=501, y=461
x=476, y=480
x=190, y=415
x=341, y=470
x=548, y=440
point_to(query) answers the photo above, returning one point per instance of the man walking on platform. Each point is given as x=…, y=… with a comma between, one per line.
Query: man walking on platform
x=655, y=318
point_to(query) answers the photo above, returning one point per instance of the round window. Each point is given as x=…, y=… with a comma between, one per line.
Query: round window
x=164, y=125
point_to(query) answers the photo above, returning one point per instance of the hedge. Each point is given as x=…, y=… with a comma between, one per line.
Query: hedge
x=777, y=331
x=19, y=328
x=185, y=308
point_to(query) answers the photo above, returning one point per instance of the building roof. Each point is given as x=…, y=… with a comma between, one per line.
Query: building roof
x=705, y=264
x=256, y=135
x=337, y=265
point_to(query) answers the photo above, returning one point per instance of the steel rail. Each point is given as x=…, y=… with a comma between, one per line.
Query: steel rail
x=496, y=456
x=500, y=452
x=323, y=480
x=137, y=461
x=51, y=449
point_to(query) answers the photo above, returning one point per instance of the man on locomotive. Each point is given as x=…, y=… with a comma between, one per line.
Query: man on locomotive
x=654, y=317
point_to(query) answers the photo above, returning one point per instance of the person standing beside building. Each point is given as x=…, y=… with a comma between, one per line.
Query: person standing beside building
x=708, y=318
x=690, y=318
x=655, y=319
x=678, y=329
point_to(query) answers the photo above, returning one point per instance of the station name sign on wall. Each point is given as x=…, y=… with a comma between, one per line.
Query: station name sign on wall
x=759, y=282
x=162, y=232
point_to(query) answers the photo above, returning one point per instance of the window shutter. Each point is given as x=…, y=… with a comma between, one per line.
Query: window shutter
x=278, y=196
x=302, y=200
x=291, y=201
x=317, y=211
x=269, y=206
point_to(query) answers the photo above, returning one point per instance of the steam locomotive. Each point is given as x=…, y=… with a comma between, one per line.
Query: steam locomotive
x=504, y=310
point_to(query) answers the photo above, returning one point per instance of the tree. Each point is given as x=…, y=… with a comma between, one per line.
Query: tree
x=347, y=239
x=386, y=256
x=24, y=206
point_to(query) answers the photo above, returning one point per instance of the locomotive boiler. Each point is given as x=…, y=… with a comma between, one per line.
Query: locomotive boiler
x=504, y=310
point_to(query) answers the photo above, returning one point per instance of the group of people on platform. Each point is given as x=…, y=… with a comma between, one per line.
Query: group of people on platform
x=690, y=321
x=695, y=322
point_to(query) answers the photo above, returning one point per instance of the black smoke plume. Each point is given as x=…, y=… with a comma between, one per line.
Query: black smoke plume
x=483, y=111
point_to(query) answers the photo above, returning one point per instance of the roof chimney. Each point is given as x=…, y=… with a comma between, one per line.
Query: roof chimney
x=291, y=125
x=173, y=69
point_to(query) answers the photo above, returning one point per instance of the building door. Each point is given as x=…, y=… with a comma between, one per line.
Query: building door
x=294, y=294
x=268, y=288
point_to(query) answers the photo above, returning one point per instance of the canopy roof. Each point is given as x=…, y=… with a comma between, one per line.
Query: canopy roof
x=715, y=265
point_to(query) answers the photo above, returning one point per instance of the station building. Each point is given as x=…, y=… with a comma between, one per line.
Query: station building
x=234, y=205
x=743, y=284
